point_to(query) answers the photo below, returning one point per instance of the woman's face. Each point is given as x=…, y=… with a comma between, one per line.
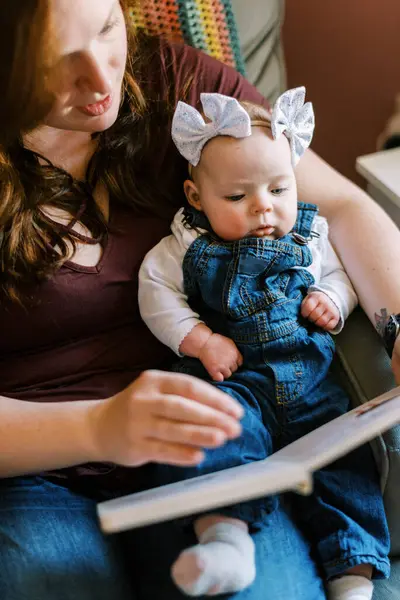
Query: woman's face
x=86, y=78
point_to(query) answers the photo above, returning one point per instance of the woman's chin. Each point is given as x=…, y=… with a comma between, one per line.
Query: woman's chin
x=77, y=120
x=102, y=123
x=98, y=123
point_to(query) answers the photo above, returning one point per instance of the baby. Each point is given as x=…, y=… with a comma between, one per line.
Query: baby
x=245, y=290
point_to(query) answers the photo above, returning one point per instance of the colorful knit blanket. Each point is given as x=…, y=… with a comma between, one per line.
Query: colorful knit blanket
x=205, y=24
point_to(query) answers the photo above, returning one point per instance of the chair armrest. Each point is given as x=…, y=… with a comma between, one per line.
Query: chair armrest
x=365, y=372
x=364, y=358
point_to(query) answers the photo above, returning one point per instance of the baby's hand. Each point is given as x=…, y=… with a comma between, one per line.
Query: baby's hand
x=319, y=309
x=220, y=357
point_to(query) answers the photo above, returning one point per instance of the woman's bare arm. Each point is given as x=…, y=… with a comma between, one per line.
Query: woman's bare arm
x=38, y=437
x=161, y=417
x=365, y=238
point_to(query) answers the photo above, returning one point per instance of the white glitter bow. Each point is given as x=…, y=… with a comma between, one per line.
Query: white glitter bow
x=190, y=132
x=295, y=119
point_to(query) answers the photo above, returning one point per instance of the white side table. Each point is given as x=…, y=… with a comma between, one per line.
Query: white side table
x=382, y=172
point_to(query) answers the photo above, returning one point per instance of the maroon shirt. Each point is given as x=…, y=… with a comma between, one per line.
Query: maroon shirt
x=83, y=337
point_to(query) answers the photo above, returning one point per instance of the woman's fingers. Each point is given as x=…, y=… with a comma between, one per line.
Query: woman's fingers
x=178, y=408
x=199, y=391
x=159, y=451
x=396, y=360
x=184, y=433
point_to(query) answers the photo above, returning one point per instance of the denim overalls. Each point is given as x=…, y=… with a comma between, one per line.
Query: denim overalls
x=251, y=291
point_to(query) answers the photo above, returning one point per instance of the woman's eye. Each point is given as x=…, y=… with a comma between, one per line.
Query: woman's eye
x=109, y=27
x=235, y=198
x=278, y=191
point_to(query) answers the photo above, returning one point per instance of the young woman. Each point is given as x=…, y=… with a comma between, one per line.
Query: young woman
x=84, y=195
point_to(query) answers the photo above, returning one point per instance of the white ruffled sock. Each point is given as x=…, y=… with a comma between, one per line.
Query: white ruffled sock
x=350, y=587
x=223, y=562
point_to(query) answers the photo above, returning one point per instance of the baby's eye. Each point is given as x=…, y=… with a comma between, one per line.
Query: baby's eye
x=235, y=198
x=278, y=191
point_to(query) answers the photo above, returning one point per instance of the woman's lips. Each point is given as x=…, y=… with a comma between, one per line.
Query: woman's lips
x=97, y=109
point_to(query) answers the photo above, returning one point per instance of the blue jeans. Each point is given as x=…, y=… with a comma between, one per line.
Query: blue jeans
x=51, y=549
x=344, y=517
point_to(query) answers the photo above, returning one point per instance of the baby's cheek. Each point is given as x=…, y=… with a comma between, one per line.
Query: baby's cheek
x=232, y=227
x=241, y=224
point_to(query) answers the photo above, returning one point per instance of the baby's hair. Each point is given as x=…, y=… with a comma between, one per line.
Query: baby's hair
x=259, y=115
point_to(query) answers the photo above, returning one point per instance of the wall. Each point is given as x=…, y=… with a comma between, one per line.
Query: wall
x=347, y=54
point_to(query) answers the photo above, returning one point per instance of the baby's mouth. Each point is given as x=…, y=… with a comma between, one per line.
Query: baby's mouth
x=263, y=230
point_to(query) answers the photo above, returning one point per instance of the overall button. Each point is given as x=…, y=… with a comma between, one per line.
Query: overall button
x=300, y=239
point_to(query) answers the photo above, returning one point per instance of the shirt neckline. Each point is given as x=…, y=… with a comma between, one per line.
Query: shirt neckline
x=73, y=266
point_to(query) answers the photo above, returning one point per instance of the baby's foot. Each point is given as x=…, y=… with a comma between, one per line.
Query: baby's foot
x=223, y=562
x=350, y=587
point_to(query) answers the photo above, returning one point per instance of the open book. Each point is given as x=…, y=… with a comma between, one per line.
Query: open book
x=289, y=469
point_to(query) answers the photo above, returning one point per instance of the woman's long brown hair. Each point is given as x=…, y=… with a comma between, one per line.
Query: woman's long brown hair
x=24, y=52
x=125, y=161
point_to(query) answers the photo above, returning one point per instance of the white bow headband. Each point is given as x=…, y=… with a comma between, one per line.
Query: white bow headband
x=227, y=117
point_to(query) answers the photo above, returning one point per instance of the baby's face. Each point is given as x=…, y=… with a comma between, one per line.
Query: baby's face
x=247, y=187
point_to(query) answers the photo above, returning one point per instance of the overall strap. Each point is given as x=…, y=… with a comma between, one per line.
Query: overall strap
x=305, y=217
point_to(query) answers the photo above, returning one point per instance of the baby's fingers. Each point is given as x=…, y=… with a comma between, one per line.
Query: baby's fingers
x=324, y=319
x=307, y=306
x=317, y=313
x=332, y=323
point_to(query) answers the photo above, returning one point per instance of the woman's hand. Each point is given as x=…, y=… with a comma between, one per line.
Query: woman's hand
x=164, y=418
x=396, y=360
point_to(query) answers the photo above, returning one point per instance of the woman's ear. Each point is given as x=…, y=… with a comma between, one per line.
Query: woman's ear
x=192, y=194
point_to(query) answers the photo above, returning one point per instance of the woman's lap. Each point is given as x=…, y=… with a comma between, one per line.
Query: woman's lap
x=51, y=547
x=285, y=570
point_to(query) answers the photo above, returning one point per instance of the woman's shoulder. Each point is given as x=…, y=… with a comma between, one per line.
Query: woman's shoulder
x=185, y=72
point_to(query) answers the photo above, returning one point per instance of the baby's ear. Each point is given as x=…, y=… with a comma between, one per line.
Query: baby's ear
x=192, y=194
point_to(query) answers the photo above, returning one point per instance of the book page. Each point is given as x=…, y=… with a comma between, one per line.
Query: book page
x=288, y=469
x=338, y=437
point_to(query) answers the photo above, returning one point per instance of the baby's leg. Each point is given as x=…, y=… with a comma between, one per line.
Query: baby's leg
x=345, y=516
x=222, y=562
x=355, y=584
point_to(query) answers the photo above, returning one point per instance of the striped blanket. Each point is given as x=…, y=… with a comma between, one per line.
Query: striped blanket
x=205, y=24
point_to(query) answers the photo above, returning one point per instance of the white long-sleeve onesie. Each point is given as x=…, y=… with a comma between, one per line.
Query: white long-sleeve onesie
x=164, y=305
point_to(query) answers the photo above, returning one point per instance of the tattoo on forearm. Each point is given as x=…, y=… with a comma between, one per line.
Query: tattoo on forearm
x=381, y=321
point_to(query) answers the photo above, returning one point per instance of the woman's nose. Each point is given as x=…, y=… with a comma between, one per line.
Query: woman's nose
x=94, y=78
